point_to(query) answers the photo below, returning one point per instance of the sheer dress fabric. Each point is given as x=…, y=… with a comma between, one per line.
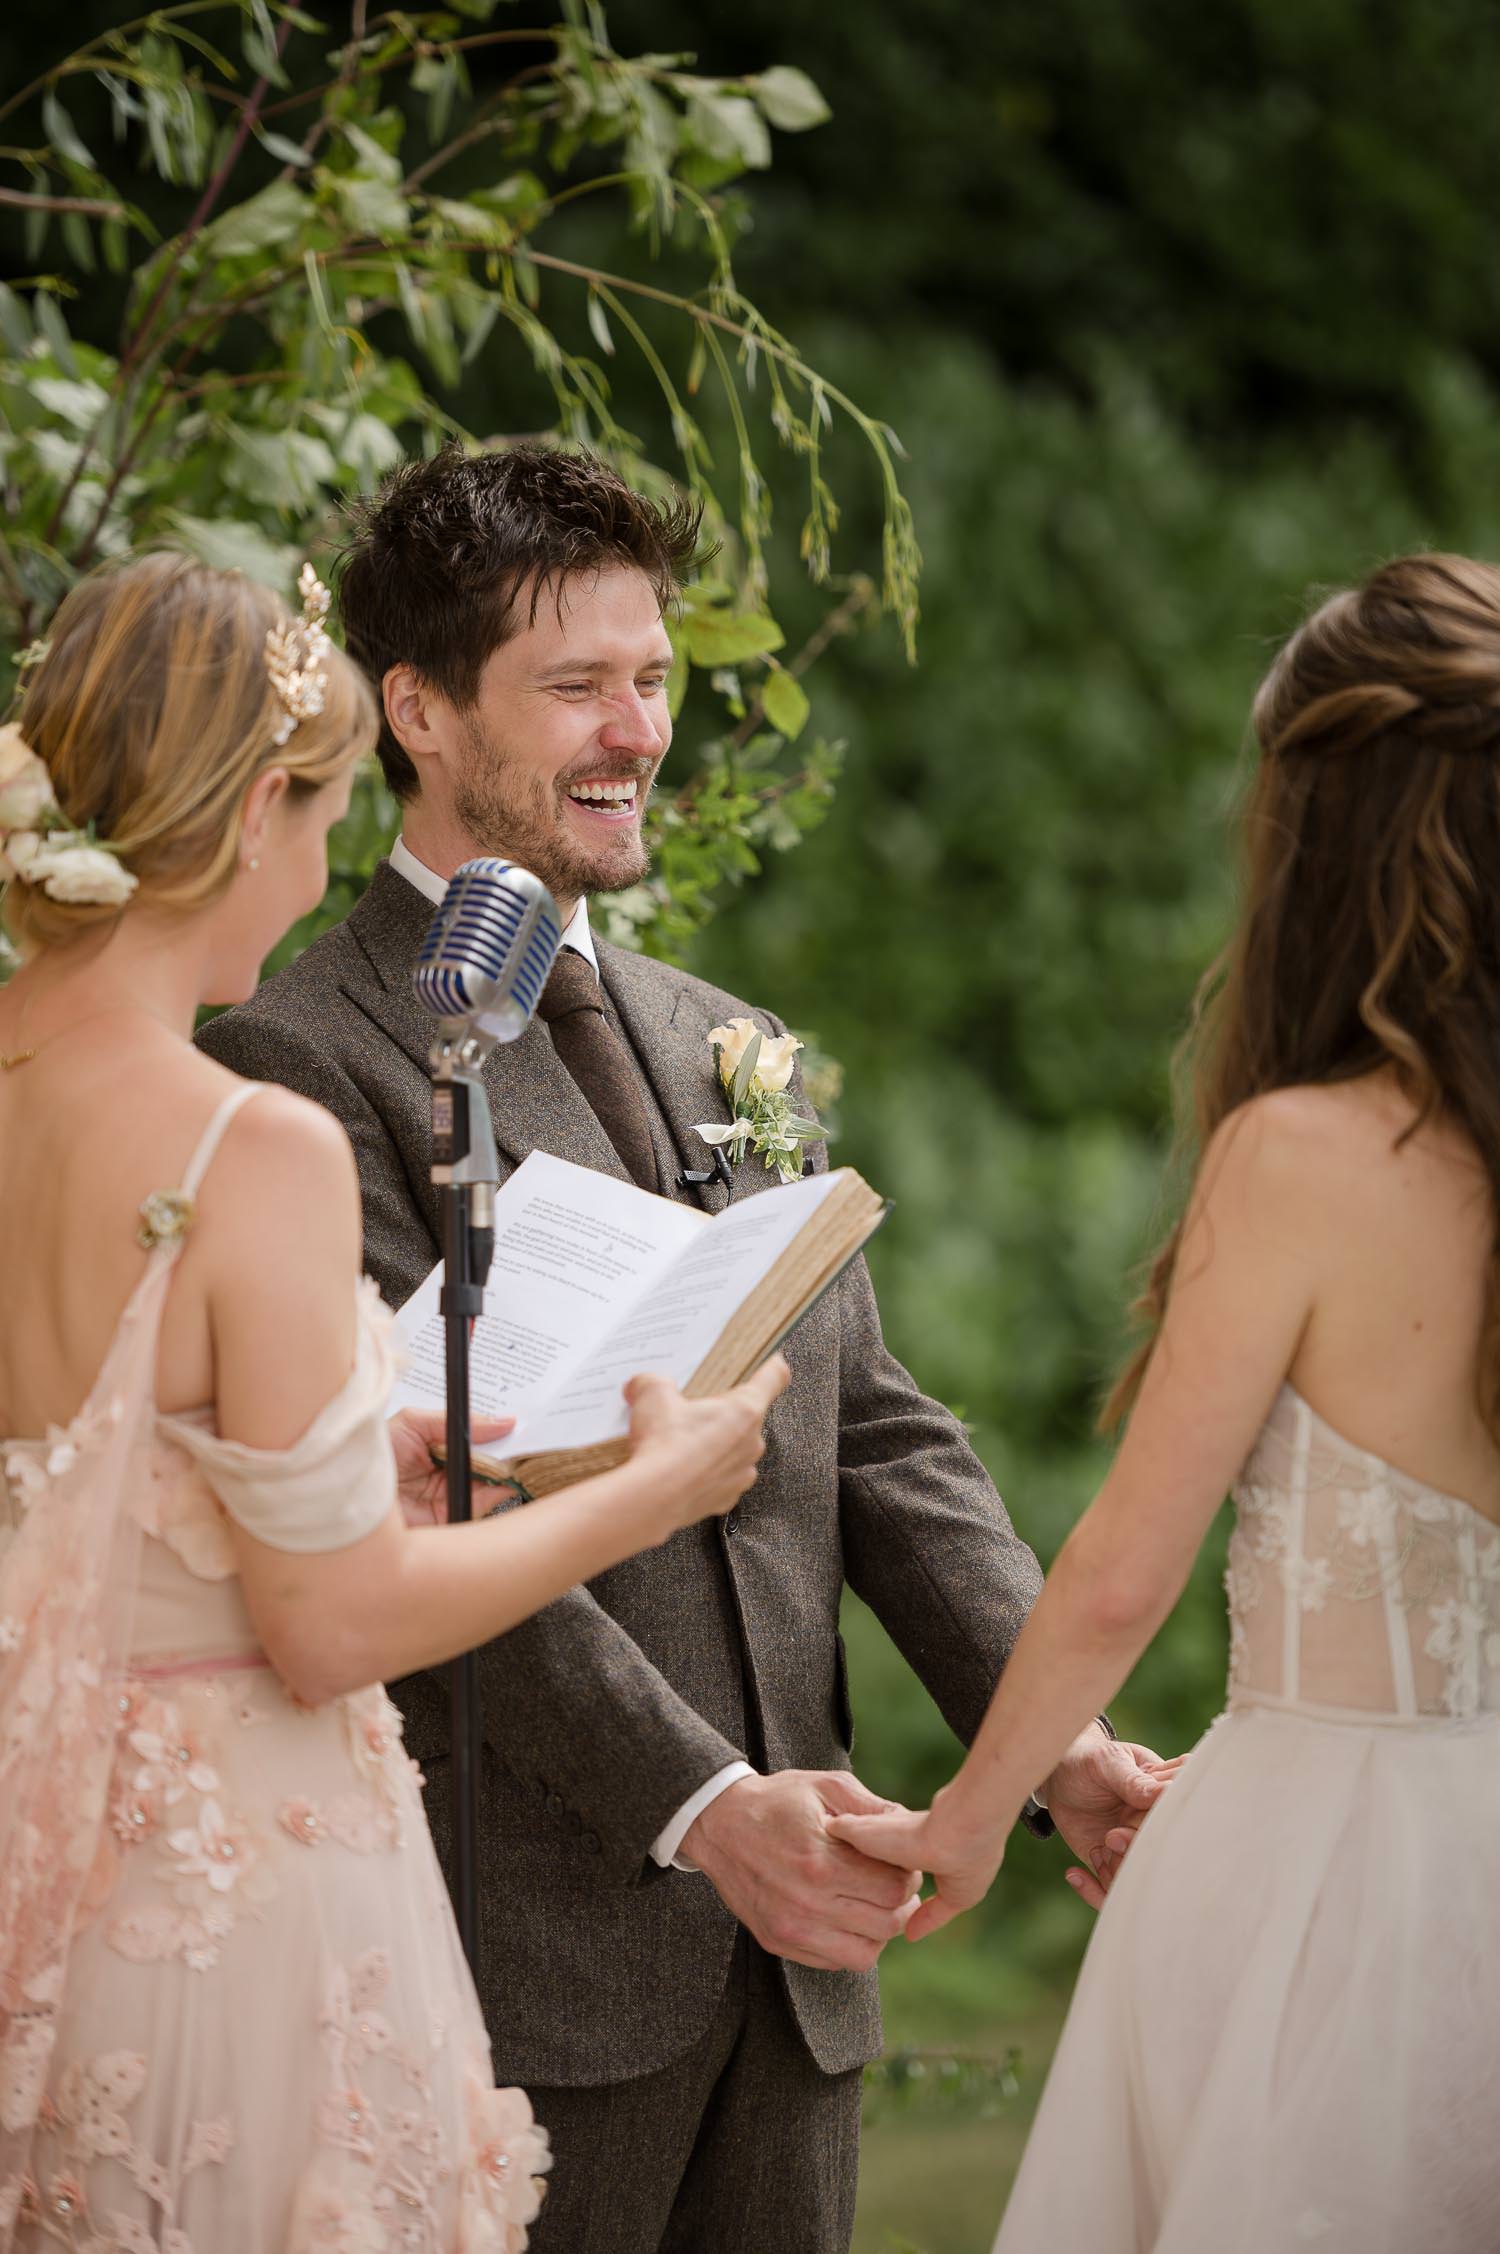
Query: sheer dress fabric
x=234, y=2014
x=1285, y=2032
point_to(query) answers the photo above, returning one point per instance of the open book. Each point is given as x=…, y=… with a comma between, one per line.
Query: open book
x=594, y=1280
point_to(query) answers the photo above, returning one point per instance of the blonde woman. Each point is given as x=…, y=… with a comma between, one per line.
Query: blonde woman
x=234, y=2018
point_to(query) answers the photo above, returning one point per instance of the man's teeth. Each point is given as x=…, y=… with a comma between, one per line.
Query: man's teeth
x=612, y=794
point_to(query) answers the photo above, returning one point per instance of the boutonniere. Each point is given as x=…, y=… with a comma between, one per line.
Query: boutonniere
x=754, y=1072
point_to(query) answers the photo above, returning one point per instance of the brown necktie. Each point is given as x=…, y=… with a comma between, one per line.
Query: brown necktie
x=573, y=1010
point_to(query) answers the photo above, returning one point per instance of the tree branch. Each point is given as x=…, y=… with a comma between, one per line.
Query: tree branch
x=123, y=385
x=206, y=202
x=87, y=206
x=840, y=620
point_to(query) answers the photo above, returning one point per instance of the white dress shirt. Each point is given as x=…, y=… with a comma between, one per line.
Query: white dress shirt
x=427, y=881
x=666, y=1848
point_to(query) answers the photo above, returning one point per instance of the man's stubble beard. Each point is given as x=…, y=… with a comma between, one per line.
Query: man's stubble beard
x=519, y=819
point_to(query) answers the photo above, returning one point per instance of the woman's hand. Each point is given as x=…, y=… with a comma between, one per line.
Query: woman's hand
x=421, y=1478
x=962, y=1864
x=701, y=1455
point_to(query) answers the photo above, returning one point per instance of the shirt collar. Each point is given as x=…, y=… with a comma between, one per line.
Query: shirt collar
x=578, y=934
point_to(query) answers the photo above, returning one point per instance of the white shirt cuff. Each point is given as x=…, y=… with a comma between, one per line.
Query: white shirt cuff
x=665, y=1848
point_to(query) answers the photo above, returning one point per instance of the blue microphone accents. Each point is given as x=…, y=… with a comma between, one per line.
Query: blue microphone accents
x=488, y=950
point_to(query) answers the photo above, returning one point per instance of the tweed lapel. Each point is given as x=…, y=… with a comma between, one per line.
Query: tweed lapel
x=669, y=1031
x=534, y=1101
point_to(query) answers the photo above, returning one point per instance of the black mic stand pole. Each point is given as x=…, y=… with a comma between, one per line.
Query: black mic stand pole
x=465, y=1170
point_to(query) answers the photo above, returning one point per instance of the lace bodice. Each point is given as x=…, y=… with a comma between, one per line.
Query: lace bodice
x=1354, y=1587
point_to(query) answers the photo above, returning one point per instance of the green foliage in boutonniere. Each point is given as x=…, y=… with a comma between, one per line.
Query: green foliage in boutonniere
x=755, y=1073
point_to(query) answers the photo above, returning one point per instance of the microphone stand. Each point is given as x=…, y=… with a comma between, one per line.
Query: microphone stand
x=465, y=1170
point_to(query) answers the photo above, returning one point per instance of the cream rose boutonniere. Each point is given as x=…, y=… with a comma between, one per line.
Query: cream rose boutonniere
x=755, y=1071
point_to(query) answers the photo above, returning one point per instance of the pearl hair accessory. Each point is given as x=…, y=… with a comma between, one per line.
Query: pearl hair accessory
x=297, y=657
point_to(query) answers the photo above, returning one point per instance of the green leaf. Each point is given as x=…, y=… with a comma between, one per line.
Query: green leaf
x=677, y=685
x=730, y=129
x=279, y=469
x=369, y=207
x=55, y=329
x=745, y=1072
x=438, y=77
x=723, y=639
x=518, y=194
x=274, y=216
x=477, y=334
x=278, y=146
x=369, y=447
x=473, y=222
x=790, y=99
x=232, y=546
x=75, y=402
x=378, y=162
x=599, y=323
x=784, y=702
x=62, y=133
x=78, y=242
x=15, y=325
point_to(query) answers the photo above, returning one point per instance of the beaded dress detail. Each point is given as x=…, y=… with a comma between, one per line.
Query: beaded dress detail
x=1284, y=2035
x=234, y=2014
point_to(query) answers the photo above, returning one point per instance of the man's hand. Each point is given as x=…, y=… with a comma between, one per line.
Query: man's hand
x=1098, y=1796
x=766, y=1846
x=421, y=1474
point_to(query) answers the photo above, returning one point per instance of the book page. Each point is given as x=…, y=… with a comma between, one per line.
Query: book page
x=673, y=1326
x=573, y=1251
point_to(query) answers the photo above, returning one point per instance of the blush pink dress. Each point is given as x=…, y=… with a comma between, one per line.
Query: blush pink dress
x=1286, y=2031
x=234, y=2014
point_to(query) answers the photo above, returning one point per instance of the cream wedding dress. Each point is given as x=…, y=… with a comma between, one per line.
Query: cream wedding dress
x=1286, y=2033
x=234, y=2015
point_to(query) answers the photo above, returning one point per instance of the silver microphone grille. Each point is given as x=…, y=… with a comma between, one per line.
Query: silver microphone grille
x=488, y=949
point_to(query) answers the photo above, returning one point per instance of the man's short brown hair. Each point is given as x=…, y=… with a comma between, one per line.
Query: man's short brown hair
x=453, y=556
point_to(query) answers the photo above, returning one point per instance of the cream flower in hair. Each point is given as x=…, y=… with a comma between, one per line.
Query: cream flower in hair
x=26, y=792
x=14, y=750
x=18, y=849
x=82, y=873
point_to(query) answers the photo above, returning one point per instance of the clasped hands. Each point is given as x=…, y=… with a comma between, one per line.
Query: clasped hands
x=823, y=1871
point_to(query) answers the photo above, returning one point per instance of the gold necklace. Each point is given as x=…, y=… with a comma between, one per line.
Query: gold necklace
x=122, y=1009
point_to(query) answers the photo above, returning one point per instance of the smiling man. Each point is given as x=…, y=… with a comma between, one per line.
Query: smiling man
x=677, y=1959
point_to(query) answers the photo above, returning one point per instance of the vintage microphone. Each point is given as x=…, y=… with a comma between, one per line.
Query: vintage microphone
x=480, y=971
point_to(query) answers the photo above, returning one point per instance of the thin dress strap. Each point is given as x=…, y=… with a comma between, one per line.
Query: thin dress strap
x=212, y=1135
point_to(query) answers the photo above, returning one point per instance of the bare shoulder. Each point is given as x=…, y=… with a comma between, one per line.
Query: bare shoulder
x=286, y=1172
x=1323, y=1154
x=282, y=1130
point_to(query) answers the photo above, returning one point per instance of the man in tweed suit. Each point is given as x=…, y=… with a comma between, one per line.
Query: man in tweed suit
x=677, y=1960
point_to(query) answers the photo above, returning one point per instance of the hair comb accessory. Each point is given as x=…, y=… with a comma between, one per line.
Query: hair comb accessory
x=297, y=657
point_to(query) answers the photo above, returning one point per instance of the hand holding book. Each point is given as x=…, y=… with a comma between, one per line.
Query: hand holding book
x=595, y=1282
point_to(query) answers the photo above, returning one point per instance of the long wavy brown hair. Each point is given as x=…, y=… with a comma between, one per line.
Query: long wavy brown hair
x=1370, y=931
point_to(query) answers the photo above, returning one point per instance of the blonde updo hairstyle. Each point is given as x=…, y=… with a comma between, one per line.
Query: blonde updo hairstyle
x=153, y=713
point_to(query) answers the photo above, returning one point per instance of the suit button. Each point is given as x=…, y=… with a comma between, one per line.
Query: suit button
x=590, y=1842
x=729, y=1522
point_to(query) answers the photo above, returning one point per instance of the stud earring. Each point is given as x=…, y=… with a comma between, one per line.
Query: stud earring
x=253, y=862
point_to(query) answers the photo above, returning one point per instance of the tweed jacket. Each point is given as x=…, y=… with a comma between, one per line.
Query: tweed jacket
x=605, y=1712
